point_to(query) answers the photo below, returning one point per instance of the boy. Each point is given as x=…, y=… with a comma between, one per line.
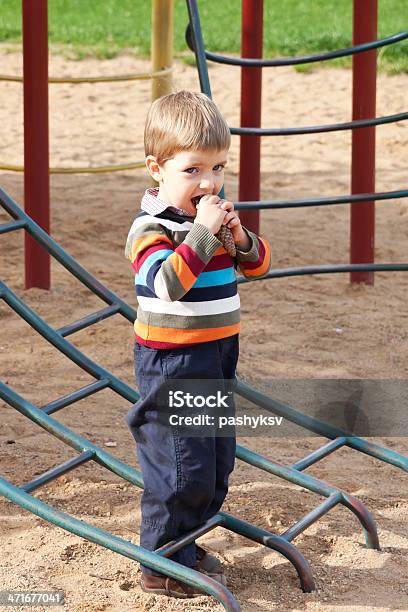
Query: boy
x=187, y=321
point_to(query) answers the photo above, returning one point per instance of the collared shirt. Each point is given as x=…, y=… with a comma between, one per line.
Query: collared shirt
x=153, y=205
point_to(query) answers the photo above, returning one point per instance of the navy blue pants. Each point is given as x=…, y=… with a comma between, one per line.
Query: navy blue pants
x=185, y=478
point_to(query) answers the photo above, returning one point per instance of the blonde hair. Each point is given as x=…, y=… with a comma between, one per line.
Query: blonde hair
x=184, y=121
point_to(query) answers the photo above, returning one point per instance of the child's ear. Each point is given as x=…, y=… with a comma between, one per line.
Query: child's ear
x=153, y=168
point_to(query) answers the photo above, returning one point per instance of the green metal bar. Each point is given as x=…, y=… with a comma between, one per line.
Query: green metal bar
x=275, y=543
x=63, y=257
x=357, y=507
x=10, y=227
x=90, y=319
x=292, y=61
x=64, y=346
x=287, y=412
x=311, y=517
x=71, y=438
x=318, y=454
x=328, y=201
x=284, y=471
x=57, y=471
x=326, y=269
x=349, y=502
x=71, y=398
x=317, y=486
x=195, y=34
x=171, y=547
x=120, y=546
x=379, y=452
x=356, y=124
x=121, y=469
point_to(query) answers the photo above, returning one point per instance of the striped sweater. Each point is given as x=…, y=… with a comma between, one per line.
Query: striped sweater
x=185, y=280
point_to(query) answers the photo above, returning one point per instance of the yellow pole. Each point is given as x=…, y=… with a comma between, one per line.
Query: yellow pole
x=162, y=46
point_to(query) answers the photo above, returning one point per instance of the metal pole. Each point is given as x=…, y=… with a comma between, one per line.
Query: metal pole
x=162, y=45
x=362, y=220
x=251, y=89
x=36, y=148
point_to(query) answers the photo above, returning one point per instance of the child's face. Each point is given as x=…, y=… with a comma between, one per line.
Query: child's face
x=189, y=175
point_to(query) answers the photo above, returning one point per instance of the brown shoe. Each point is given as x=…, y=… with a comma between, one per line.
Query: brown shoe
x=163, y=585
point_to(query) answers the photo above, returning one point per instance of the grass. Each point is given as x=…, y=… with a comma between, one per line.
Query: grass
x=291, y=27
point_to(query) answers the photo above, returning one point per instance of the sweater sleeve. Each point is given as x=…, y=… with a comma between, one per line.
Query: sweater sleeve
x=168, y=272
x=256, y=262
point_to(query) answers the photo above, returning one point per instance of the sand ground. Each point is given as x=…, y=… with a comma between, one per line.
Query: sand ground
x=311, y=327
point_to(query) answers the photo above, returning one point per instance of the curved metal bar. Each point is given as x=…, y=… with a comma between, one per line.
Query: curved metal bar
x=68, y=349
x=379, y=452
x=64, y=258
x=80, y=169
x=96, y=79
x=318, y=129
x=119, y=545
x=69, y=437
x=355, y=505
x=327, y=269
x=365, y=518
x=285, y=548
x=329, y=201
x=294, y=61
x=120, y=468
x=317, y=486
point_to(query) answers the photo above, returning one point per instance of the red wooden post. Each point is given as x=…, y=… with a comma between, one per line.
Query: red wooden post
x=251, y=89
x=36, y=149
x=362, y=221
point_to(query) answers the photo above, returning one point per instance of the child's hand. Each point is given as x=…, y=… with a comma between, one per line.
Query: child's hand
x=210, y=213
x=233, y=221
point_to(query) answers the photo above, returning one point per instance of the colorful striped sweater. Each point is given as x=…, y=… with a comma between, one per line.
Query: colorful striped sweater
x=185, y=280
